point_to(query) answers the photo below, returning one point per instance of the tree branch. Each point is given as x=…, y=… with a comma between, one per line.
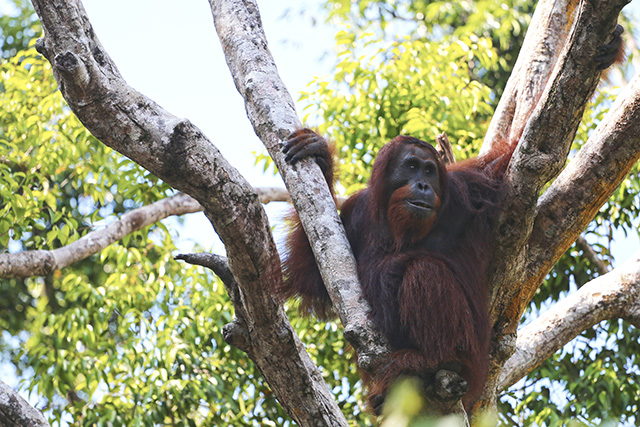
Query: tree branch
x=542, y=151
x=271, y=111
x=43, y=262
x=588, y=252
x=234, y=333
x=17, y=412
x=177, y=152
x=546, y=36
x=574, y=198
x=611, y=296
x=443, y=147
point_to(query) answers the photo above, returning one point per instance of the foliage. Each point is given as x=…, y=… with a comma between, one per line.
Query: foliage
x=504, y=22
x=405, y=87
x=128, y=337
x=381, y=90
x=131, y=337
x=18, y=29
x=57, y=180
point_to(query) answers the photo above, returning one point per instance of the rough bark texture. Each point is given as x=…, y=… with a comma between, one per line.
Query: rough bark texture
x=42, y=262
x=610, y=296
x=176, y=151
x=543, y=146
x=271, y=112
x=16, y=412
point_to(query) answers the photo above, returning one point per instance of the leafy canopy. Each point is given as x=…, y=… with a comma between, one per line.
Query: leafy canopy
x=131, y=337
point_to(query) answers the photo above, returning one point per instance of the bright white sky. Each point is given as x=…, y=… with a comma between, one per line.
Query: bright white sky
x=169, y=51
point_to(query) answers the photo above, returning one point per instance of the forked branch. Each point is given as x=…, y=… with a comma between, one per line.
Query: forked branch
x=271, y=111
x=542, y=152
x=177, y=152
x=611, y=296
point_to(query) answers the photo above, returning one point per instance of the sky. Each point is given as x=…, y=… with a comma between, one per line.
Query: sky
x=169, y=51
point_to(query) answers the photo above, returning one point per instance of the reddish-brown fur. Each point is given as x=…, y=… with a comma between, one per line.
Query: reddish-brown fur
x=404, y=225
x=425, y=279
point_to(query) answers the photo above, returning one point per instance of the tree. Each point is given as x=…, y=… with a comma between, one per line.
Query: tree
x=533, y=232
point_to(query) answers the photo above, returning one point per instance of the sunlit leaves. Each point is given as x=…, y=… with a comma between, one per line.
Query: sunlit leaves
x=381, y=90
x=504, y=22
x=125, y=337
x=592, y=378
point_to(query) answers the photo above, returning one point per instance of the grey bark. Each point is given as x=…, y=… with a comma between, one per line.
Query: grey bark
x=574, y=198
x=611, y=296
x=177, y=152
x=17, y=412
x=545, y=39
x=42, y=262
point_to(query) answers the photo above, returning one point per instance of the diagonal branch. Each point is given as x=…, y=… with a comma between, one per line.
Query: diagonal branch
x=590, y=254
x=271, y=112
x=17, y=412
x=234, y=333
x=42, y=262
x=177, y=152
x=574, y=198
x=611, y=296
x=543, y=146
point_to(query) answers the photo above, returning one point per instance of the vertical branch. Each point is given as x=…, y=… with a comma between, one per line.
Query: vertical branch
x=547, y=34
